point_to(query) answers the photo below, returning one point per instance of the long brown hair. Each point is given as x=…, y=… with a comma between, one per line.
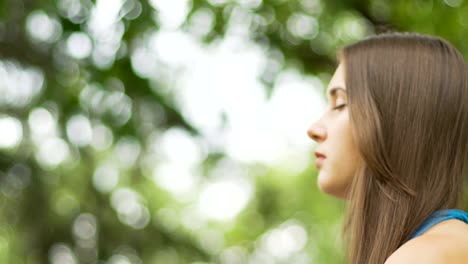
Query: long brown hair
x=408, y=107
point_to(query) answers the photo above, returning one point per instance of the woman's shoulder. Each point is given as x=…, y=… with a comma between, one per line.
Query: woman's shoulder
x=446, y=242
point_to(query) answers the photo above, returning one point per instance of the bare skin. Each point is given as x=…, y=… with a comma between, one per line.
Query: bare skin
x=332, y=132
x=446, y=242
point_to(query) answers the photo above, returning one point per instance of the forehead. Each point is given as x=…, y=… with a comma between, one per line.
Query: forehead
x=337, y=81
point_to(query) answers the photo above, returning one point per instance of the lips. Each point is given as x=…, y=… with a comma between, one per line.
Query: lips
x=320, y=159
x=319, y=155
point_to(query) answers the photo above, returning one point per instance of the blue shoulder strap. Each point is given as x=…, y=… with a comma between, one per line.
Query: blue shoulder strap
x=439, y=216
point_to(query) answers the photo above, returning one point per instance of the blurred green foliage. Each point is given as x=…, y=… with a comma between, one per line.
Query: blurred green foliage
x=66, y=71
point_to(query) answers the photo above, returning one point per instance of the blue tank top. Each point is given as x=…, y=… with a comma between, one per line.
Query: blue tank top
x=439, y=216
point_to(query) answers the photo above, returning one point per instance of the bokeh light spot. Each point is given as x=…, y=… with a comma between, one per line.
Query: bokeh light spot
x=303, y=26
x=79, y=45
x=11, y=132
x=105, y=178
x=19, y=85
x=43, y=28
x=52, y=152
x=127, y=150
x=102, y=137
x=130, y=209
x=85, y=227
x=171, y=14
x=223, y=200
x=453, y=3
x=79, y=130
x=61, y=254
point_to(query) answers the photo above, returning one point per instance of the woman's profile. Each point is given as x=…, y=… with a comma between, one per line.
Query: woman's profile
x=393, y=142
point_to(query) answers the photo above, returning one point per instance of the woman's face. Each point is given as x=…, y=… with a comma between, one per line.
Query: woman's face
x=332, y=133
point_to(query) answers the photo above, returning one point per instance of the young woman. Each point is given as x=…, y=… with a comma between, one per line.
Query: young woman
x=393, y=142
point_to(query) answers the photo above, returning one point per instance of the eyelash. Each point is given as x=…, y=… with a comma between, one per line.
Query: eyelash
x=339, y=107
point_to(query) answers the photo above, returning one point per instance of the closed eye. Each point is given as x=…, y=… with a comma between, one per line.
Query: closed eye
x=339, y=107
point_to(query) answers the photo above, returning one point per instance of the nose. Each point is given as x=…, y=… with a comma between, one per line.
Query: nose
x=317, y=132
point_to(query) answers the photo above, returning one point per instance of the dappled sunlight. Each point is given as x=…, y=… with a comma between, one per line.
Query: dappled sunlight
x=201, y=22
x=314, y=7
x=174, y=48
x=102, y=137
x=62, y=254
x=85, y=230
x=19, y=85
x=11, y=132
x=215, y=204
x=43, y=28
x=218, y=88
x=79, y=130
x=79, y=45
x=115, y=105
x=42, y=124
x=289, y=119
x=282, y=243
x=130, y=208
x=106, y=177
x=168, y=218
x=17, y=179
x=171, y=14
x=303, y=26
x=126, y=152
x=174, y=131
x=181, y=181
x=234, y=254
x=350, y=27
x=453, y=3
x=211, y=239
x=105, y=27
x=178, y=146
x=52, y=152
x=75, y=10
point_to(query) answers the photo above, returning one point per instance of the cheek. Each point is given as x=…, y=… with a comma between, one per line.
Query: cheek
x=342, y=163
x=347, y=160
x=341, y=169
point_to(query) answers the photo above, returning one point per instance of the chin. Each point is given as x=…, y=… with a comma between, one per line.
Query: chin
x=329, y=187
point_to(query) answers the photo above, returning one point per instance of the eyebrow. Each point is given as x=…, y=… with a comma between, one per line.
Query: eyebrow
x=334, y=90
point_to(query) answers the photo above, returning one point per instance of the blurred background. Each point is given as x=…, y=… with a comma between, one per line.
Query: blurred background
x=174, y=131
